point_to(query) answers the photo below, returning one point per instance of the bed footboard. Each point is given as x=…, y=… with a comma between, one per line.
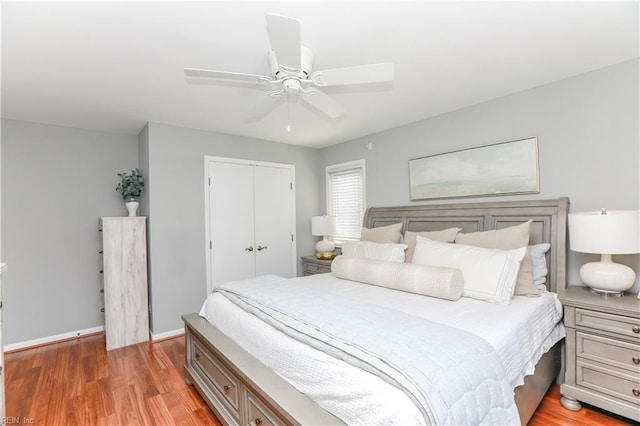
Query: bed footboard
x=238, y=388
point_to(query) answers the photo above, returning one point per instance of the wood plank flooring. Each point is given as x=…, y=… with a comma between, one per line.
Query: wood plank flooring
x=78, y=382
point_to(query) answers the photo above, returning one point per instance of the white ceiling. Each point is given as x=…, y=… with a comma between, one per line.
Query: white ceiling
x=114, y=66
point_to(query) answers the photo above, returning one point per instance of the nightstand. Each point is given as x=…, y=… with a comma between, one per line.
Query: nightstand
x=602, y=354
x=312, y=265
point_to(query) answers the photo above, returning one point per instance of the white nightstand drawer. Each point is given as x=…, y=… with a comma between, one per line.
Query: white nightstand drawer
x=615, y=382
x=624, y=326
x=612, y=352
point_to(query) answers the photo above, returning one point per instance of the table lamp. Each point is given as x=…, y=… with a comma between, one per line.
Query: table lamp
x=323, y=226
x=606, y=233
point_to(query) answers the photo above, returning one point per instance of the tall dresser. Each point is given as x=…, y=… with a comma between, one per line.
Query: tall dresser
x=124, y=271
x=3, y=267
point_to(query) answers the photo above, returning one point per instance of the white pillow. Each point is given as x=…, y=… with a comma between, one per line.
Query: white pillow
x=489, y=274
x=539, y=264
x=389, y=252
x=445, y=283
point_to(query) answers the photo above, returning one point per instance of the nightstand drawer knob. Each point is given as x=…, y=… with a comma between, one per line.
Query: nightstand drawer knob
x=635, y=360
x=636, y=329
x=636, y=391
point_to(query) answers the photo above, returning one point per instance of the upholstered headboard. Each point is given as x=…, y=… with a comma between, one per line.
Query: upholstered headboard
x=549, y=224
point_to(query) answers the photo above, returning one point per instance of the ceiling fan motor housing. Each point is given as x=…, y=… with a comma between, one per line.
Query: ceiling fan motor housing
x=306, y=65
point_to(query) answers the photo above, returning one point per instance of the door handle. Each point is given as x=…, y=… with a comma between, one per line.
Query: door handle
x=250, y=248
x=260, y=248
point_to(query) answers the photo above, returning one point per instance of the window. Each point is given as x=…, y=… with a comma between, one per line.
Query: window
x=346, y=198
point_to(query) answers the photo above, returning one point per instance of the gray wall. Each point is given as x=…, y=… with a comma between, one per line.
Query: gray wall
x=588, y=135
x=177, y=212
x=56, y=183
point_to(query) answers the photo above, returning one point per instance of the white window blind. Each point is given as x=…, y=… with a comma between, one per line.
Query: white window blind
x=345, y=198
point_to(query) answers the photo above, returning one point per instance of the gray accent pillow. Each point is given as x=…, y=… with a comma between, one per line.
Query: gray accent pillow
x=539, y=261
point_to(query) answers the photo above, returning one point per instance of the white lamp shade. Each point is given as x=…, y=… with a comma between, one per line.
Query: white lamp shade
x=322, y=226
x=606, y=233
x=616, y=232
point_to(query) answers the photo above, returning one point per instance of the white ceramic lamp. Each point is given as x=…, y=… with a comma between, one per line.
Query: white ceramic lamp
x=606, y=233
x=323, y=226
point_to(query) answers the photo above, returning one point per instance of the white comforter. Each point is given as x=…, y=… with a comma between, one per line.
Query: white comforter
x=520, y=332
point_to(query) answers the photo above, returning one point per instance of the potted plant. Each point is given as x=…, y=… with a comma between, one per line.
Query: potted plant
x=130, y=188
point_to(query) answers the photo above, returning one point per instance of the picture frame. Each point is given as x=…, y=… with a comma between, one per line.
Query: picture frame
x=505, y=168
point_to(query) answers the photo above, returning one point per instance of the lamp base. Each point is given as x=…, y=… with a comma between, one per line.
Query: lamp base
x=326, y=256
x=607, y=293
x=607, y=277
x=325, y=246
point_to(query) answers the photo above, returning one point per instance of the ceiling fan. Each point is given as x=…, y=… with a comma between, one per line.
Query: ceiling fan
x=291, y=66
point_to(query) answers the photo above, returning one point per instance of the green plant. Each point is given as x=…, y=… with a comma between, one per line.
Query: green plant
x=131, y=184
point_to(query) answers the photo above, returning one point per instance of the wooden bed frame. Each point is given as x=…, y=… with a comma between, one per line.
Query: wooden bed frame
x=241, y=390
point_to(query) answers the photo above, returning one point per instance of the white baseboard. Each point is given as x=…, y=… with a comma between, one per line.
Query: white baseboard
x=166, y=334
x=52, y=339
x=80, y=333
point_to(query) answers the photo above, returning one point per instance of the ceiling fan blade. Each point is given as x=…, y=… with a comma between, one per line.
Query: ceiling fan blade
x=266, y=105
x=224, y=75
x=323, y=102
x=284, y=35
x=373, y=73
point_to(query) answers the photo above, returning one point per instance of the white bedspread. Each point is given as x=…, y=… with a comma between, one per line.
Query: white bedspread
x=520, y=332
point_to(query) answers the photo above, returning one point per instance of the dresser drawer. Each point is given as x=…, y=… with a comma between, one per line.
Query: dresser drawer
x=615, y=382
x=311, y=268
x=223, y=380
x=609, y=351
x=259, y=414
x=624, y=326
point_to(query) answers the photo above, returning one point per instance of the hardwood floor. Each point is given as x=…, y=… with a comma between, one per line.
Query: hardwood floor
x=551, y=413
x=78, y=383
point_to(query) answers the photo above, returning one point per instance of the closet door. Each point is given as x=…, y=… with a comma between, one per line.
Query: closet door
x=231, y=214
x=274, y=204
x=251, y=220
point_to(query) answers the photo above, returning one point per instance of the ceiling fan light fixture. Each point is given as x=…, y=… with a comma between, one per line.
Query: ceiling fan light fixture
x=291, y=86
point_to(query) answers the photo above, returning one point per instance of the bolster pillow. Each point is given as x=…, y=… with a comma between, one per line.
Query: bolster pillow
x=434, y=281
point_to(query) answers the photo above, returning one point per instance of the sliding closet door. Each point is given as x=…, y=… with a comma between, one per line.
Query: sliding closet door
x=274, y=204
x=231, y=224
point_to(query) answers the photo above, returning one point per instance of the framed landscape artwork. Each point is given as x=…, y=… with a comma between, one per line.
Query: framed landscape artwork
x=498, y=169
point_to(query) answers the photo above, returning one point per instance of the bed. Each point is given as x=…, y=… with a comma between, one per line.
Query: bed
x=232, y=377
